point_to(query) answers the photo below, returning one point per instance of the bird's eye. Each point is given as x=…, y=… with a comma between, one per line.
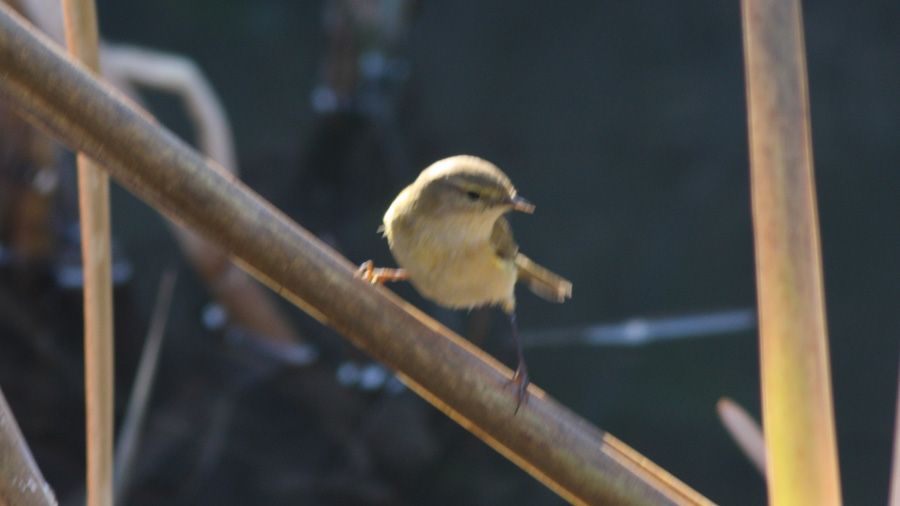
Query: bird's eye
x=473, y=195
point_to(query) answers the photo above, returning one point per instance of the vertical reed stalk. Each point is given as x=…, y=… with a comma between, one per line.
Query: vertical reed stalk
x=798, y=422
x=93, y=194
x=894, y=498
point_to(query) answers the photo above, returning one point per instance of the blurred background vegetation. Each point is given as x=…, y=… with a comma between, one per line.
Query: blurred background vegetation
x=624, y=122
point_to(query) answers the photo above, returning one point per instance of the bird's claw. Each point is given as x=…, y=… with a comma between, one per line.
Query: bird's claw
x=366, y=271
x=377, y=275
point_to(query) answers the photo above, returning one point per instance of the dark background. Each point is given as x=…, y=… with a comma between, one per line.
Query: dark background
x=625, y=123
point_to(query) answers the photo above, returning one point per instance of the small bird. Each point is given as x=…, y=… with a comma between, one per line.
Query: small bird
x=448, y=233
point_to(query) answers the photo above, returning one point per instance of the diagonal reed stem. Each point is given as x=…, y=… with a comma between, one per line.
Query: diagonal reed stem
x=581, y=463
x=21, y=482
x=801, y=463
x=93, y=197
x=135, y=413
x=745, y=432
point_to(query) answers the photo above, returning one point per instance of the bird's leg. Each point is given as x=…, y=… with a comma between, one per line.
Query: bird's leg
x=521, y=376
x=379, y=275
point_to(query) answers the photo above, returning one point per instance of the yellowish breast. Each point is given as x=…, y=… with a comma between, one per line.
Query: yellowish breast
x=445, y=266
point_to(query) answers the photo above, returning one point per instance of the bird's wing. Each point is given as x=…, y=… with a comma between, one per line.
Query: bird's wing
x=502, y=240
x=540, y=280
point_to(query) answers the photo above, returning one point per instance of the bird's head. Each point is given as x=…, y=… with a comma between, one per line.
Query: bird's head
x=468, y=189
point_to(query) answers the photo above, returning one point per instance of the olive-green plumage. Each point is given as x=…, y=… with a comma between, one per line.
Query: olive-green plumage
x=448, y=232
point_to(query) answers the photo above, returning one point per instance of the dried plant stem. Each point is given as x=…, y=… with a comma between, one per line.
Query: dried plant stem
x=578, y=461
x=745, y=432
x=129, y=66
x=93, y=194
x=135, y=414
x=247, y=303
x=21, y=482
x=798, y=421
x=895, y=466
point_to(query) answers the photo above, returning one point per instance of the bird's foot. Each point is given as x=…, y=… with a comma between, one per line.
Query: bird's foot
x=379, y=275
x=521, y=381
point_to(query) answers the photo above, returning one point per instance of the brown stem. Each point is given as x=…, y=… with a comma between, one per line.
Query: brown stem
x=93, y=196
x=745, y=432
x=21, y=482
x=798, y=417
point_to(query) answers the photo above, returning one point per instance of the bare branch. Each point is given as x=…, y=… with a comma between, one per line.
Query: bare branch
x=745, y=431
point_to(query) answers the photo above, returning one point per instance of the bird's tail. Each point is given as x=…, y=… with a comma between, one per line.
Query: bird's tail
x=541, y=281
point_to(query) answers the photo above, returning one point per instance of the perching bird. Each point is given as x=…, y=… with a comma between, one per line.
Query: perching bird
x=448, y=234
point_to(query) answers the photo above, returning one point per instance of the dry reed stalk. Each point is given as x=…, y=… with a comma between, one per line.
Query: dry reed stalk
x=798, y=417
x=894, y=497
x=21, y=482
x=745, y=432
x=93, y=197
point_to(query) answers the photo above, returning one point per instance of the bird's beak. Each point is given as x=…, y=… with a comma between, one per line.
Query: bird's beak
x=522, y=205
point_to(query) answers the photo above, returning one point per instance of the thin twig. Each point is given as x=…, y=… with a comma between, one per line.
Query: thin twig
x=133, y=423
x=745, y=431
x=575, y=459
x=93, y=195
